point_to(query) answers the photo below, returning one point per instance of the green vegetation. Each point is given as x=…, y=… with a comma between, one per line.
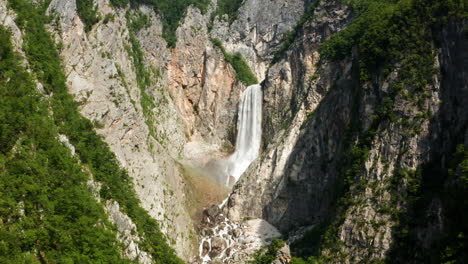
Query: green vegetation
x=137, y=21
x=47, y=212
x=109, y=17
x=243, y=72
x=227, y=7
x=172, y=12
x=289, y=37
x=309, y=245
x=310, y=260
x=267, y=254
x=92, y=151
x=455, y=241
x=386, y=32
x=88, y=13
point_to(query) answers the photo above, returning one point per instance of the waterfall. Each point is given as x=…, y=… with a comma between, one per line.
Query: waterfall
x=249, y=133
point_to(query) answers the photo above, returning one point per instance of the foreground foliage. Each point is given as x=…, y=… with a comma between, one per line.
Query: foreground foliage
x=88, y=13
x=229, y=8
x=267, y=254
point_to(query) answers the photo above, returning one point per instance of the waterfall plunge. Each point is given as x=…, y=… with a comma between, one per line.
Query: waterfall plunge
x=249, y=133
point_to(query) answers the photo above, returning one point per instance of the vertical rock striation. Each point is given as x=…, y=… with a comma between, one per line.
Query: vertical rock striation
x=202, y=83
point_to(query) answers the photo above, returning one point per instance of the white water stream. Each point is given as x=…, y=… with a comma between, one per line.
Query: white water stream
x=249, y=133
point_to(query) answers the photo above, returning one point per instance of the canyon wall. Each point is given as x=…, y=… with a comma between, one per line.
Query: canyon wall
x=339, y=153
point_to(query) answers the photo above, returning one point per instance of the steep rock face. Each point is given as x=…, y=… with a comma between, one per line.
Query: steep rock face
x=448, y=130
x=258, y=30
x=126, y=229
x=7, y=19
x=316, y=112
x=295, y=80
x=366, y=230
x=202, y=84
x=128, y=233
x=369, y=228
x=167, y=123
x=301, y=143
x=452, y=60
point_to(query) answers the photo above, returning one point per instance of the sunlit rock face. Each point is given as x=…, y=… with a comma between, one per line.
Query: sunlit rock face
x=188, y=106
x=258, y=31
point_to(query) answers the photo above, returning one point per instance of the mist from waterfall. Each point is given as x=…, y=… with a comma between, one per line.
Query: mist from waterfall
x=249, y=133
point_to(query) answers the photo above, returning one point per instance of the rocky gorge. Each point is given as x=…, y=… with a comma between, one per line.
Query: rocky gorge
x=355, y=149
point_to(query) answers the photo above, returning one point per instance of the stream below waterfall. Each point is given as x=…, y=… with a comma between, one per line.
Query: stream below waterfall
x=222, y=239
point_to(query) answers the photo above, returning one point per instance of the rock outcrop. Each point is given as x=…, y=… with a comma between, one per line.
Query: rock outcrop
x=101, y=76
x=202, y=83
x=258, y=30
x=234, y=241
x=298, y=120
x=7, y=19
x=128, y=233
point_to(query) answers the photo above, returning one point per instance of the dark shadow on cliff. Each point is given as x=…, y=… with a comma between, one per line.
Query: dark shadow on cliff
x=434, y=228
x=314, y=171
x=313, y=185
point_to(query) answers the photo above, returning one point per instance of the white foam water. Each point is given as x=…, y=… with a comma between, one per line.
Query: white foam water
x=249, y=133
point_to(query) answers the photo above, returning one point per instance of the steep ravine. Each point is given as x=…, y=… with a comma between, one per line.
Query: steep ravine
x=101, y=76
x=364, y=138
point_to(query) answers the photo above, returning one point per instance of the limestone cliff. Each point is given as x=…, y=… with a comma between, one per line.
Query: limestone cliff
x=100, y=75
x=193, y=97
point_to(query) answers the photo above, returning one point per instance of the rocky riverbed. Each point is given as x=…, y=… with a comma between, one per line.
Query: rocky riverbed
x=226, y=241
